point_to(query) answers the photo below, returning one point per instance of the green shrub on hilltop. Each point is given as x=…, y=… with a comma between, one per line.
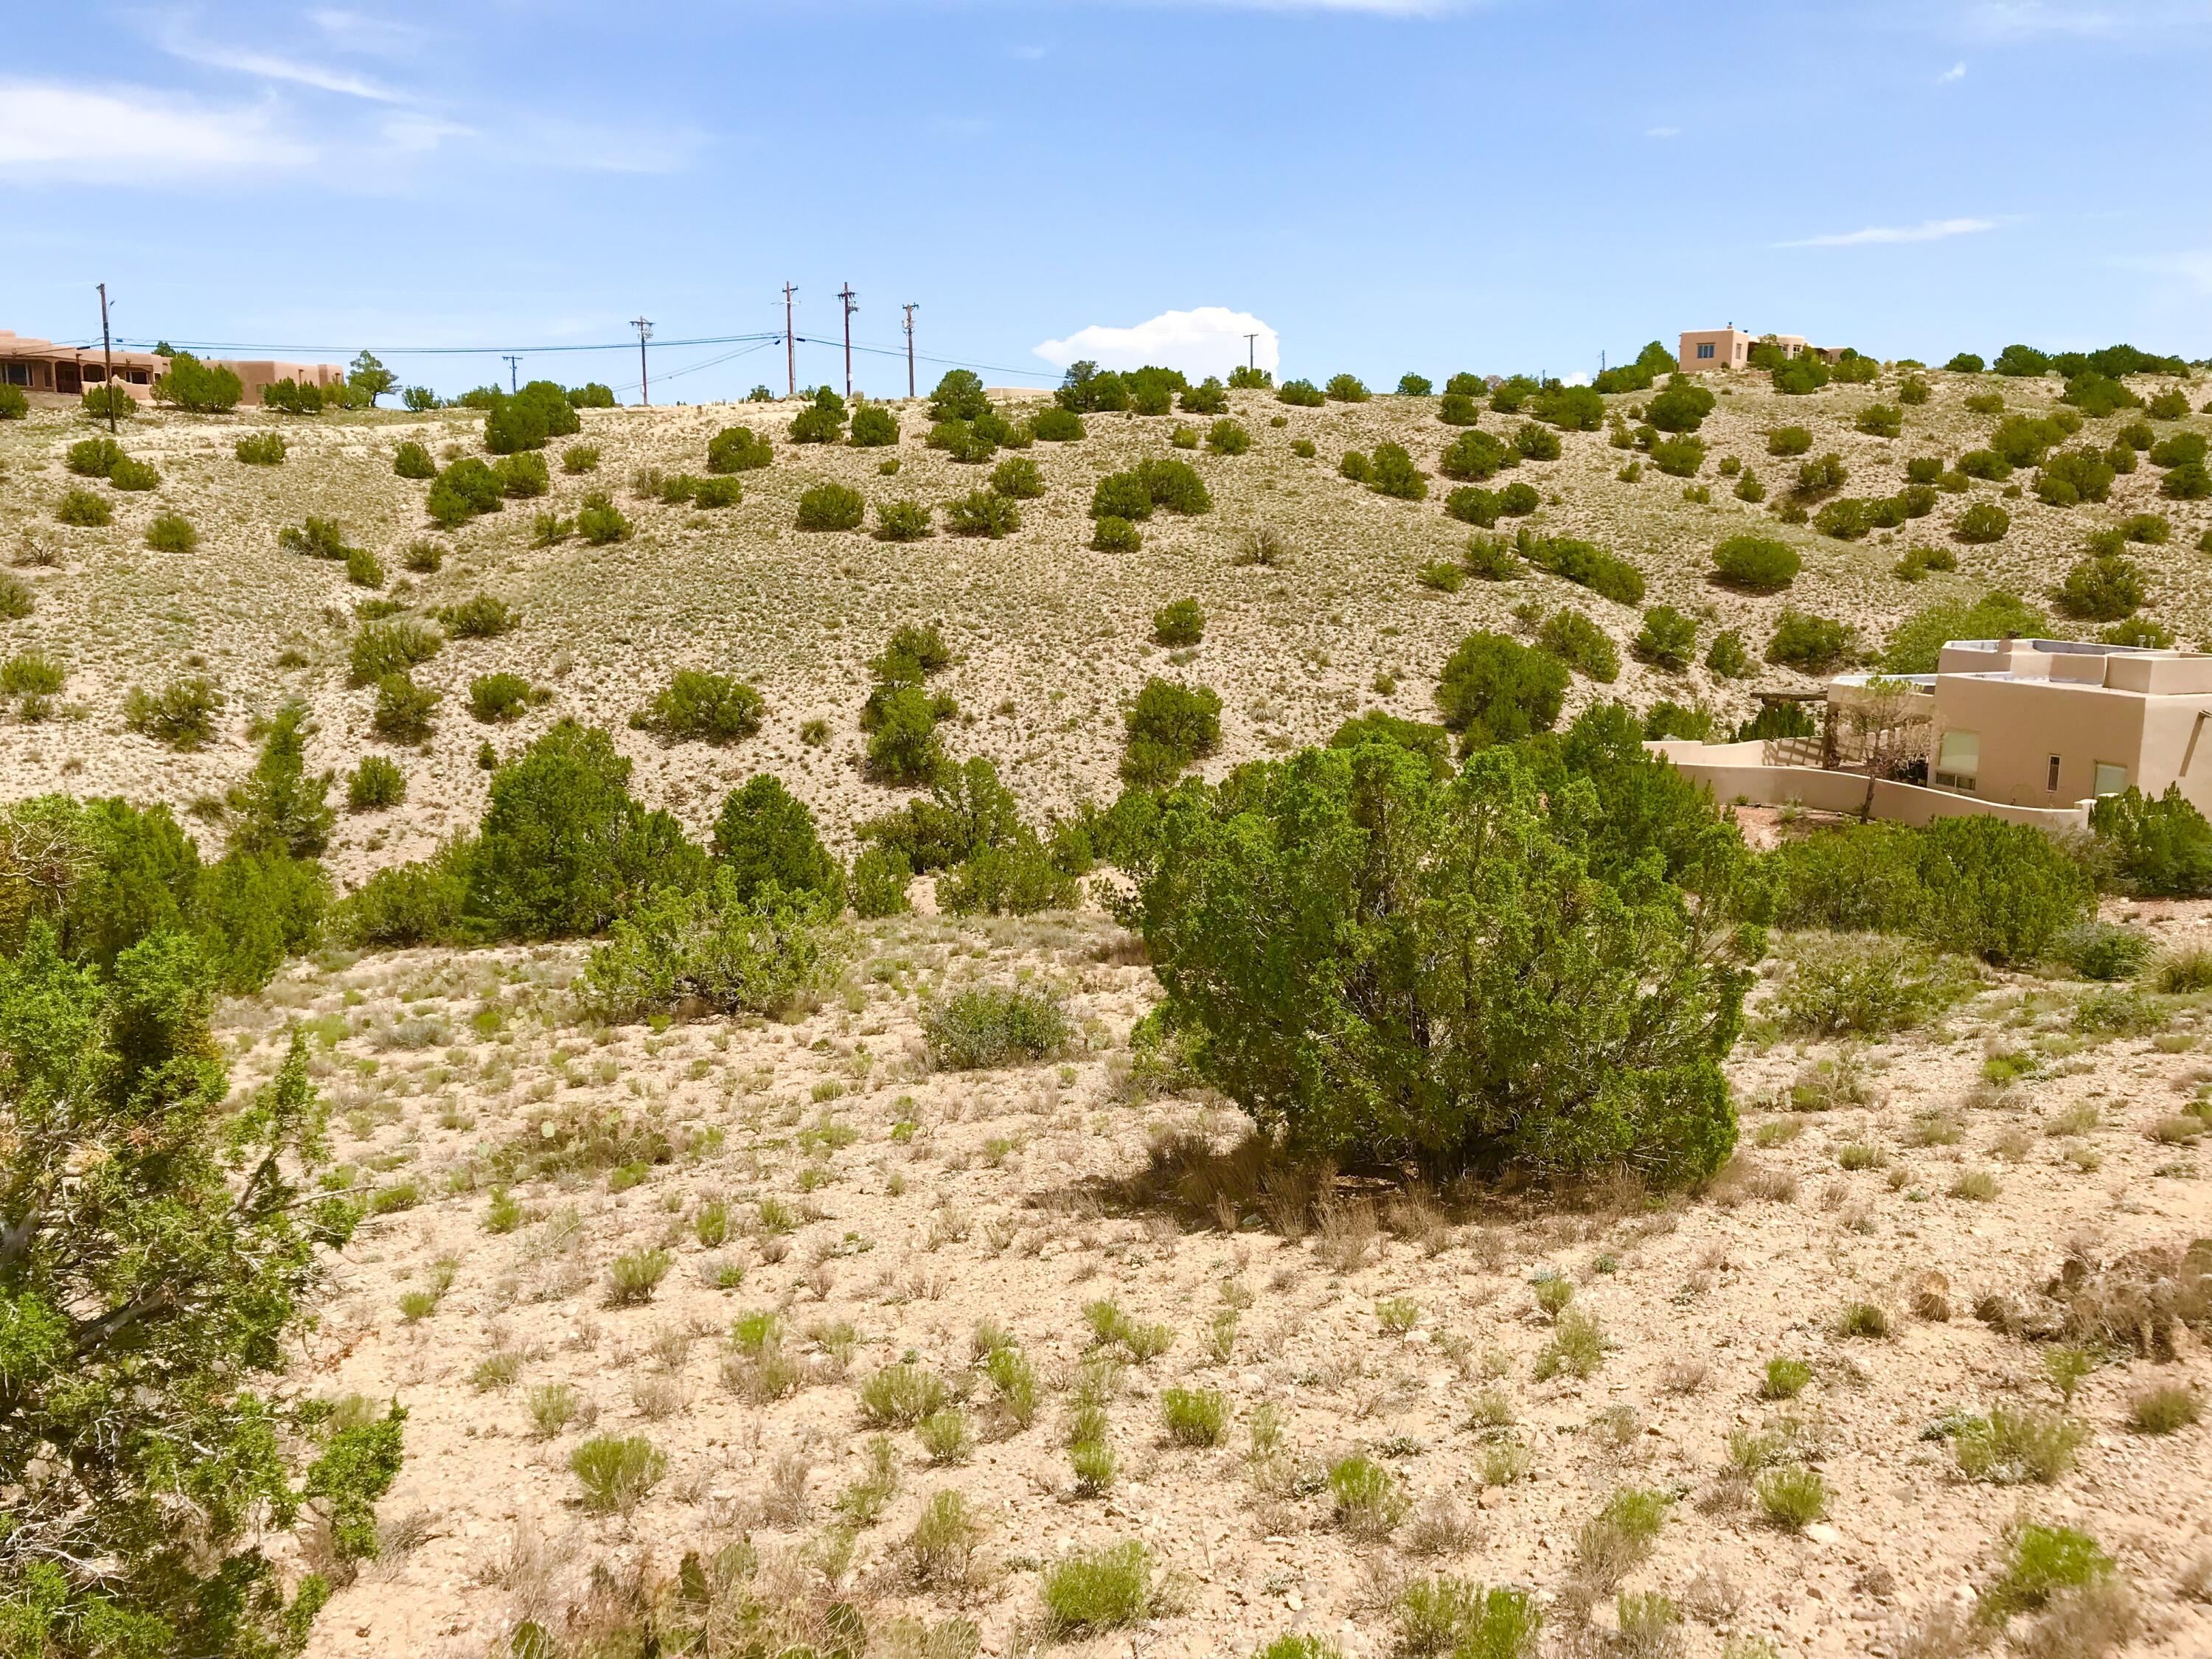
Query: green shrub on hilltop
x=764, y=838
x=703, y=707
x=1475, y=456
x=1170, y=728
x=1269, y=901
x=1495, y=690
x=735, y=449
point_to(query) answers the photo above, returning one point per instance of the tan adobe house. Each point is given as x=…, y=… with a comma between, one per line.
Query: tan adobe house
x=2030, y=730
x=1703, y=350
x=66, y=371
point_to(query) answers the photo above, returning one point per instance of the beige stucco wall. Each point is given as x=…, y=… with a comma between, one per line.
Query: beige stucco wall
x=1731, y=346
x=2022, y=723
x=256, y=374
x=1733, y=772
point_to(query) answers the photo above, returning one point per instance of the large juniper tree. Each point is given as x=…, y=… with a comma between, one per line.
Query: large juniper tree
x=157, y=1256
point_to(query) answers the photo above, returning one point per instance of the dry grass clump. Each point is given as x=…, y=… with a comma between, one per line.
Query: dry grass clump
x=2137, y=1302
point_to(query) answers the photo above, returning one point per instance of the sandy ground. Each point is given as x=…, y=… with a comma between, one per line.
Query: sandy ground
x=961, y=1198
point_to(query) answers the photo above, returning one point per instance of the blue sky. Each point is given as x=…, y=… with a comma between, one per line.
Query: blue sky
x=1386, y=185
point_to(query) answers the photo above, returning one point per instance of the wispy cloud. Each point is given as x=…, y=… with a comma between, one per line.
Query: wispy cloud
x=50, y=131
x=1956, y=72
x=353, y=31
x=176, y=38
x=1662, y=132
x=1928, y=230
x=1205, y=340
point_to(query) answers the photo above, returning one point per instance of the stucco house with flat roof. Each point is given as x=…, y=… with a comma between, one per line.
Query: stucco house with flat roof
x=2030, y=730
x=1703, y=350
x=41, y=365
x=66, y=371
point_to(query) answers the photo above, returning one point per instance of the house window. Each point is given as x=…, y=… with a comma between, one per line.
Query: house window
x=15, y=374
x=2050, y=776
x=1705, y=347
x=2110, y=779
x=1959, y=760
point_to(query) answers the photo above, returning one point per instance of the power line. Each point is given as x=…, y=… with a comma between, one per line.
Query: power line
x=492, y=350
x=787, y=337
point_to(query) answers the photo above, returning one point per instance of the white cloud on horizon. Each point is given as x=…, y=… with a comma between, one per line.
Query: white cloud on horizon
x=1928, y=230
x=1205, y=340
x=1956, y=72
x=133, y=135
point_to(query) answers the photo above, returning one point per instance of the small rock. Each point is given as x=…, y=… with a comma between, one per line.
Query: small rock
x=1821, y=1533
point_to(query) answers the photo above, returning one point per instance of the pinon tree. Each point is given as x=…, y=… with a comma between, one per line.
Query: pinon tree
x=1463, y=972
x=157, y=1256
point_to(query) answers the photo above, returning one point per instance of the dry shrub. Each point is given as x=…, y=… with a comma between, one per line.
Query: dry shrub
x=2136, y=1302
x=1740, y=1180
x=1942, y=1631
x=1416, y=1216
x=1348, y=1231
x=1224, y=1186
x=1440, y=1526
x=2084, y=1623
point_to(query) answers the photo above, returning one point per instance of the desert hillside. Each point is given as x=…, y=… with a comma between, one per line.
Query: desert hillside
x=756, y=1275
x=1052, y=639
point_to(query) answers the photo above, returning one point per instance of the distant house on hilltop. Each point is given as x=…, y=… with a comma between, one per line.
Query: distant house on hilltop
x=1707, y=348
x=66, y=371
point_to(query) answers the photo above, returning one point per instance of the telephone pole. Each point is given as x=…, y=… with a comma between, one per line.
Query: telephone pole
x=1251, y=351
x=107, y=353
x=846, y=294
x=644, y=327
x=909, y=309
x=511, y=362
x=790, y=346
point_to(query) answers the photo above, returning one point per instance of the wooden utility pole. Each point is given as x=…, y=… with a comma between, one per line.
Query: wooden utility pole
x=1251, y=352
x=790, y=346
x=108, y=353
x=644, y=327
x=909, y=309
x=511, y=377
x=846, y=294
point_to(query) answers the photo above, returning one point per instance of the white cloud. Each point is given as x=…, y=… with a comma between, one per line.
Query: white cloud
x=1206, y=340
x=357, y=32
x=1028, y=54
x=1956, y=72
x=131, y=135
x=1928, y=230
x=1662, y=132
x=268, y=66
